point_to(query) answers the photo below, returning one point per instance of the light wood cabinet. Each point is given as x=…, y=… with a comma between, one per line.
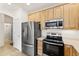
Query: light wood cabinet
x=75, y=53
x=69, y=12
x=71, y=16
x=66, y=16
x=32, y=17
x=69, y=50
x=58, y=12
x=43, y=18
x=74, y=16
x=37, y=16
x=40, y=47
x=46, y=15
x=50, y=14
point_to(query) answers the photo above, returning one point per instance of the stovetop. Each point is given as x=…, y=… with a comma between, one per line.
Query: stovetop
x=55, y=39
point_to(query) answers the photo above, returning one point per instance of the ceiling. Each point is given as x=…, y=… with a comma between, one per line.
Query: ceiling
x=38, y=6
x=27, y=8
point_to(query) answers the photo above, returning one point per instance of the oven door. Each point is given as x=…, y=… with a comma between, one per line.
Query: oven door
x=53, y=49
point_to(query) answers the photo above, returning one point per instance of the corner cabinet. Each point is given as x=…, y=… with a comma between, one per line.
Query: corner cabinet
x=34, y=17
x=31, y=17
x=69, y=50
x=71, y=16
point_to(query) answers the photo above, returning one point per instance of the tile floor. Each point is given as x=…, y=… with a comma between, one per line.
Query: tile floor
x=8, y=50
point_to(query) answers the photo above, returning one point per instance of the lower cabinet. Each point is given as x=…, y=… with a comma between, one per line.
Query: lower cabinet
x=75, y=53
x=69, y=50
x=40, y=47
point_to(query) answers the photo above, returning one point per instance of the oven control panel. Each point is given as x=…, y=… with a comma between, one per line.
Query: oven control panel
x=54, y=34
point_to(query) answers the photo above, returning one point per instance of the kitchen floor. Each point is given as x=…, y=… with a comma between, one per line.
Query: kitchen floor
x=8, y=50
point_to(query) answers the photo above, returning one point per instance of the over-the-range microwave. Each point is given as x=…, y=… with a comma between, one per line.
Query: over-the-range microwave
x=54, y=24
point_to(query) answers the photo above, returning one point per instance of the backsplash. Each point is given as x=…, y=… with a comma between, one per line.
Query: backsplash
x=44, y=32
x=66, y=34
x=70, y=34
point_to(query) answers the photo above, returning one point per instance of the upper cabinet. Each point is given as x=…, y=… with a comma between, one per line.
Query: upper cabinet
x=50, y=13
x=43, y=15
x=66, y=16
x=34, y=16
x=43, y=18
x=31, y=17
x=58, y=12
x=37, y=16
x=71, y=16
x=68, y=12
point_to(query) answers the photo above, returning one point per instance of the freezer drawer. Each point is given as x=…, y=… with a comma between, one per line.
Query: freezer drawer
x=28, y=49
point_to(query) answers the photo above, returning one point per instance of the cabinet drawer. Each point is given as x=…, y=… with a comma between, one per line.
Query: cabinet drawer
x=40, y=42
x=40, y=45
x=40, y=52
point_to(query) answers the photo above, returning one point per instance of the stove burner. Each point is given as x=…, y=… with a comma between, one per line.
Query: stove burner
x=56, y=39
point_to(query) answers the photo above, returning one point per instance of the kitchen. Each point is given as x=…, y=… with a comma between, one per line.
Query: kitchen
x=68, y=30
x=44, y=29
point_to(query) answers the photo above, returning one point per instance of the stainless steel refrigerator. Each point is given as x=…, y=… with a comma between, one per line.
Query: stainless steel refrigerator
x=30, y=32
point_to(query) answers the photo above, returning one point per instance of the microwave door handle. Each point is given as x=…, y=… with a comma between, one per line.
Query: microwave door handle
x=54, y=43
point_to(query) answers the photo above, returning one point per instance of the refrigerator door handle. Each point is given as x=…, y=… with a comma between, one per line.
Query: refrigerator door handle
x=29, y=45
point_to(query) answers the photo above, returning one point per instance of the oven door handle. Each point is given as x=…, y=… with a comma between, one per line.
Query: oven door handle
x=53, y=43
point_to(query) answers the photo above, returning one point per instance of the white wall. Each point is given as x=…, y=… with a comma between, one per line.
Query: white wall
x=20, y=16
x=7, y=12
x=7, y=34
x=1, y=30
x=66, y=34
x=70, y=34
x=45, y=31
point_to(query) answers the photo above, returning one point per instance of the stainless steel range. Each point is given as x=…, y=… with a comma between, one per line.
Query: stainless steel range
x=53, y=45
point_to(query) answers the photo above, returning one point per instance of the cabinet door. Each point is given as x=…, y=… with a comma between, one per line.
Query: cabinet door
x=74, y=16
x=37, y=16
x=46, y=14
x=31, y=17
x=68, y=50
x=50, y=14
x=66, y=16
x=34, y=17
x=75, y=53
x=71, y=17
x=58, y=12
x=40, y=44
x=43, y=18
x=40, y=47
